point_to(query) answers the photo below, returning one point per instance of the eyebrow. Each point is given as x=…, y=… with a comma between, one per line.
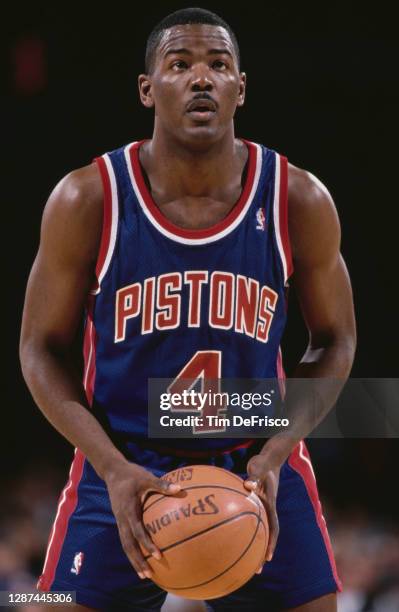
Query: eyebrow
x=184, y=51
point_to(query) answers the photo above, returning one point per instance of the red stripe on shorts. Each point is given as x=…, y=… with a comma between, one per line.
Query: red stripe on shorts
x=66, y=506
x=300, y=461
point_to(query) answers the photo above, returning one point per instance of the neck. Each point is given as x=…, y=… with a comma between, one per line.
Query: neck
x=177, y=170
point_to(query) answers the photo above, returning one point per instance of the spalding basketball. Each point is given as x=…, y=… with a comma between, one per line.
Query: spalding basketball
x=212, y=536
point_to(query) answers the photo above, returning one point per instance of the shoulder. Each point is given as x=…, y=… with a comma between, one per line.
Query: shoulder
x=74, y=211
x=312, y=216
x=80, y=191
x=306, y=193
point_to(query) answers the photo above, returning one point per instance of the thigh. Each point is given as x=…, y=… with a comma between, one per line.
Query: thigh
x=303, y=567
x=85, y=555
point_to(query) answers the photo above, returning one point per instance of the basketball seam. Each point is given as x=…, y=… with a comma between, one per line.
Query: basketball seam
x=201, y=486
x=227, y=568
x=198, y=533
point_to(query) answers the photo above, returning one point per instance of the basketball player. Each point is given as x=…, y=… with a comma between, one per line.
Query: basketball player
x=179, y=249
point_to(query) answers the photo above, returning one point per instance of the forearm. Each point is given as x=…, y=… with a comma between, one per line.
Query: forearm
x=59, y=394
x=307, y=403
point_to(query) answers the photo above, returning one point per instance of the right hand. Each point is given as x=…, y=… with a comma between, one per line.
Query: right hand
x=127, y=486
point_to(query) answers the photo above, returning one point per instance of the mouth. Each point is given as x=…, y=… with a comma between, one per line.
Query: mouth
x=201, y=110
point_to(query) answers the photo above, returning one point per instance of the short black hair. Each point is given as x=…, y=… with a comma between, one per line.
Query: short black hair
x=185, y=16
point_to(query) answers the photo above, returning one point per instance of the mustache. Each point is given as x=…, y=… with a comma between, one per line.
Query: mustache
x=203, y=95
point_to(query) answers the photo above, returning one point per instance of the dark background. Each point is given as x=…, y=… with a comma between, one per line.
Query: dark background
x=322, y=89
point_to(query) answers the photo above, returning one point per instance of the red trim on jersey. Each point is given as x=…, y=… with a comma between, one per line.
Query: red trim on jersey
x=107, y=217
x=193, y=233
x=302, y=465
x=89, y=350
x=283, y=208
x=69, y=496
x=66, y=505
x=281, y=373
x=280, y=368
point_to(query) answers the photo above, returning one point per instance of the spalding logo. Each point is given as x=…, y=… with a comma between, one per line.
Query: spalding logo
x=179, y=475
x=202, y=507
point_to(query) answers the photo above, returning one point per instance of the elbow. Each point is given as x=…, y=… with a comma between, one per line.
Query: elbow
x=347, y=341
x=337, y=348
x=32, y=355
x=344, y=347
x=347, y=350
x=28, y=356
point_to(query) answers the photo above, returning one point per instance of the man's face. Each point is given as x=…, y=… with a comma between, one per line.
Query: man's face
x=195, y=85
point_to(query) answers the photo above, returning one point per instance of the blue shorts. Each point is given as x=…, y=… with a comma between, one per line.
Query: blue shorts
x=85, y=555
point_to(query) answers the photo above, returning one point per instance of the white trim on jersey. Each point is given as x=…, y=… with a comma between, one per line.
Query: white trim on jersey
x=91, y=352
x=114, y=223
x=306, y=460
x=195, y=241
x=276, y=216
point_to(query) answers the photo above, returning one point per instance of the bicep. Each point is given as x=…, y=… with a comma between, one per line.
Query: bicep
x=63, y=271
x=325, y=296
x=321, y=278
x=54, y=301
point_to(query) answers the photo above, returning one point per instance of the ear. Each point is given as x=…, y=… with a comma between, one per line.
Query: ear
x=145, y=90
x=241, y=91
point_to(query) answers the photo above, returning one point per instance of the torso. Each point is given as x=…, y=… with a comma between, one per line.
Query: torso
x=190, y=213
x=154, y=329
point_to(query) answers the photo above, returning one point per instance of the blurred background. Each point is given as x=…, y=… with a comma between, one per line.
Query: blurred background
x=323, y=90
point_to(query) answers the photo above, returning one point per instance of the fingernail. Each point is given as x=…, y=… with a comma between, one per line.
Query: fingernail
x=269, y=557
x=157, y=555
x=259, y=571
x=147, y=574
x=141, y=575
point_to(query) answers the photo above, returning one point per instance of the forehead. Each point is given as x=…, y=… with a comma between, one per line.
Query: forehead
x=194, y=35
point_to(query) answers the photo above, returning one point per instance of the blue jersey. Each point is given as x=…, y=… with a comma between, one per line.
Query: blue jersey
x=181, y=304
x=184, y=303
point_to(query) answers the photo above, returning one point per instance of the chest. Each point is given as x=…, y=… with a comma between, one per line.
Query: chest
x=199, y=212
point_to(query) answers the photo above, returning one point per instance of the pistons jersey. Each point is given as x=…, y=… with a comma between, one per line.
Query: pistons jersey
x=173, y=303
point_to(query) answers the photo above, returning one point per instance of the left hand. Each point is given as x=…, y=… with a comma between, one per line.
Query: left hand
x=263, y=479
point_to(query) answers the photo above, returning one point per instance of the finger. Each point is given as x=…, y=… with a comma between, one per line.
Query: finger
x=135, y=518
x=259, y=571
x=161, y=486
x=133, y=552
x=274, y=530
x=168, y=488
x=144, y=539
x=251, y=484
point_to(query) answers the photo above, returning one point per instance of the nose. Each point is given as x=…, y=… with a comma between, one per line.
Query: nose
x=201, y=80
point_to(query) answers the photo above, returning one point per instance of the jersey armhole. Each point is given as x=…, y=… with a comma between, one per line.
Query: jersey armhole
x=280, y=211
x=110, y=221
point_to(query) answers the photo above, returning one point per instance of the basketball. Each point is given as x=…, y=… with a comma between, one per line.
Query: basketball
x=212, y=535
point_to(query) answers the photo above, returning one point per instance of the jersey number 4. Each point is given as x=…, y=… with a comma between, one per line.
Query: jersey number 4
x=203, y=369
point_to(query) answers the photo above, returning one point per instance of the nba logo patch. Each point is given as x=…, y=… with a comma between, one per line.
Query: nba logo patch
x=77, y=563
x=260, y=219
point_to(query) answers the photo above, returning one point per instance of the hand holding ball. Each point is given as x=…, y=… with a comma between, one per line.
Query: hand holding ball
x=213, y=535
